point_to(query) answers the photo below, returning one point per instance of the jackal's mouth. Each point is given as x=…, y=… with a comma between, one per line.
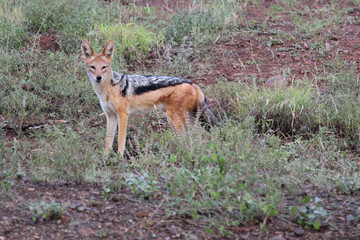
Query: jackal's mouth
x=98, y=81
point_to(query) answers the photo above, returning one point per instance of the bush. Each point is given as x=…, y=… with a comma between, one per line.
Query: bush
x=342, y=115
x=11, y=61
x=72, y=20
x=72, y=17
x=12, y=34
x=200, y=27
x=285, y=111
x=56, y=85
x=64, y=156
x=341, y=105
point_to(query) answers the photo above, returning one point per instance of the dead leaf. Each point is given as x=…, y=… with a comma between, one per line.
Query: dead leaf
x=60, y=121
x=142, y=214
x=85, y=231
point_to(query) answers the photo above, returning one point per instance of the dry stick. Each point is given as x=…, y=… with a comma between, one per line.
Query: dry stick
x=285, y=220
x=265, y=219
x=242, y=64
x=305, y=44
x=168, y=9
x=157, y=208
x=272, y=53
x=336, y=110
x=257, y=66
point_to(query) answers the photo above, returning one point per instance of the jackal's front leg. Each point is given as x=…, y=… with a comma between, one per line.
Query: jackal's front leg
x=123, y=120
x=111, y=122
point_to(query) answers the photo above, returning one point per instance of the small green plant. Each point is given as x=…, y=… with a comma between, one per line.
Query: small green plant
x=144, y=185
x=5, y=186
x=42, y=211
x=106, y=191
x=348, y=185
x=310, y=213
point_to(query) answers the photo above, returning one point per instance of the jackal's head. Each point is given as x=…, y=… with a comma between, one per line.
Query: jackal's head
x=98, y=66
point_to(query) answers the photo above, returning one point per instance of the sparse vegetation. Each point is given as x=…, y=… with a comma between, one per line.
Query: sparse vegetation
x=281, y=154
x=42, y=211
x=310, y=213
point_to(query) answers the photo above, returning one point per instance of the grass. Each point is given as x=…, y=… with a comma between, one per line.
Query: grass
x=13, y=34
x=272, y=142
x=132, y=41
x=201, y=26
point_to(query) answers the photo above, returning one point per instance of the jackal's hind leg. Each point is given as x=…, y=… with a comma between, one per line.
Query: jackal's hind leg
x=177, y=119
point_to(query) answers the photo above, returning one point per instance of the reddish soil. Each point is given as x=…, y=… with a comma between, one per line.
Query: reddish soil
x=262, y=54
x=47, y=42
x=89, y=215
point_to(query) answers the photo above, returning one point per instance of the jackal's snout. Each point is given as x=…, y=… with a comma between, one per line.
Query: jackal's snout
x=98, y=79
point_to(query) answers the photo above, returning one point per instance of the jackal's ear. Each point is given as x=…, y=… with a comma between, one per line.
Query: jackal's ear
x=86, y=49
x=108, y=50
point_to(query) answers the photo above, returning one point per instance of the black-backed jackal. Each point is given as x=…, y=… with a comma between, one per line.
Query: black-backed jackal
x=122, y=94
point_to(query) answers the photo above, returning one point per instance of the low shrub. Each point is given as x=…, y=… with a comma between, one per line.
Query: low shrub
x=197, y=26
x=12, y=34
x=284, y=111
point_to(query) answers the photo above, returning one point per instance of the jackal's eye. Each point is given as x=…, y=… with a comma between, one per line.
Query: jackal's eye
x=92, y=67
x=103, y=68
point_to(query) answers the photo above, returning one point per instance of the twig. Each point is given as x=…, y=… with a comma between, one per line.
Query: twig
x=168, y=9
x=242, y=64
x=285, y=220
x=272, y=53
x=257, y=66
x=157, y=208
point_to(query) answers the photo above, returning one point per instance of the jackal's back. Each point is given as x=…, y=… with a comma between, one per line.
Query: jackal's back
x=138, y=84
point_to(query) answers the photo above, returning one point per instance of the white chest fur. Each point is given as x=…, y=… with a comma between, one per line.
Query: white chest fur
x=106, y=106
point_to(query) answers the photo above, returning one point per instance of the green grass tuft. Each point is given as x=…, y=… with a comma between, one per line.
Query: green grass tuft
x=132, y=41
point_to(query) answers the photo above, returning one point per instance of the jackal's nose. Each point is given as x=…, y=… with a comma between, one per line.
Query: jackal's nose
x=98, y=79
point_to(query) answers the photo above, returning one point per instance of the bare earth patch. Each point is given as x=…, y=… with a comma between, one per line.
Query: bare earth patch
x=88, y=214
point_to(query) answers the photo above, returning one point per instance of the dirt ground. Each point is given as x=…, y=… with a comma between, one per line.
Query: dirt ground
x=91, y=216
x=240, y=58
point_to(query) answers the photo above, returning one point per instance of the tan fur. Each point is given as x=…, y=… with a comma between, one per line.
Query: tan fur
x=179, y=100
